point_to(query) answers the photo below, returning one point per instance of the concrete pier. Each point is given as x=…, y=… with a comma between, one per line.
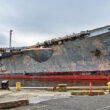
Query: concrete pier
x=13, y=104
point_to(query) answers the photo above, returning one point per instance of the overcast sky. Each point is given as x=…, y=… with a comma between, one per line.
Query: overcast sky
x=34, y=21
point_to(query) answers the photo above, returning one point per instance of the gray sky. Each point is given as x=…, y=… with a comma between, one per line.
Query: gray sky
x=34, y=21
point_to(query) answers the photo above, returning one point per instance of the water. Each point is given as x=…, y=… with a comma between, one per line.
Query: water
x=51, y=82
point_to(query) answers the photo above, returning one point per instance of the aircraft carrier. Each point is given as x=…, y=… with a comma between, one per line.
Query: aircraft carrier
x=85, y=55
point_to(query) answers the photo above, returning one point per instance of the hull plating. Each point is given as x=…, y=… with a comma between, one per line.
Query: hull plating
x=80, y=53
x=66, y=77
x=84, y=75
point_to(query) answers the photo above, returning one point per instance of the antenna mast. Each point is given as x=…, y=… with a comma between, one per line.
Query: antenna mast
x=10, y=38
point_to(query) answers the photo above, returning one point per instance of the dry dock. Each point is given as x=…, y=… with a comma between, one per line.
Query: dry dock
x=72, y=103
x=38, y=95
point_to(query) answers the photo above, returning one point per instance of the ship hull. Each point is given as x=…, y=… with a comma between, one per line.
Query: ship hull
x=84, y=75
x=80, y=56
x=66, y=77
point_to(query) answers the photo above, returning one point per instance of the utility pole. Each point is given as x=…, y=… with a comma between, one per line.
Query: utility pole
x=10, y=38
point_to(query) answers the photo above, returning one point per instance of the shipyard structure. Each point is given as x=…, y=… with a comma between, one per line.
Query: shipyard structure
x=85, y=55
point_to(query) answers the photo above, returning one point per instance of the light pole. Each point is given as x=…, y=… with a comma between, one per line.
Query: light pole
x=10, y=38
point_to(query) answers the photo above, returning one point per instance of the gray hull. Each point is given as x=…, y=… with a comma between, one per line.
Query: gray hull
x=90, y=53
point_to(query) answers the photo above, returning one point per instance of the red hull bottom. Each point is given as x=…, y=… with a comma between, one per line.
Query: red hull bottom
x=67, y=77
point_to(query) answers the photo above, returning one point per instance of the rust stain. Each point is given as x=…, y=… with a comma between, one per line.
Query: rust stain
x=37, y=52
x=104, y=52
x=26, y=61
x=98, y=43
x=58, y=50
x=82, y=63
x=101, y=66
x=73, y=65
x=83, y=55
x=86, y=41
x=100, y=46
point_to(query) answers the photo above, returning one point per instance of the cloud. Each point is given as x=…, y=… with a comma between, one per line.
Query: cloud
x=3, y=40
x=39, y=20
